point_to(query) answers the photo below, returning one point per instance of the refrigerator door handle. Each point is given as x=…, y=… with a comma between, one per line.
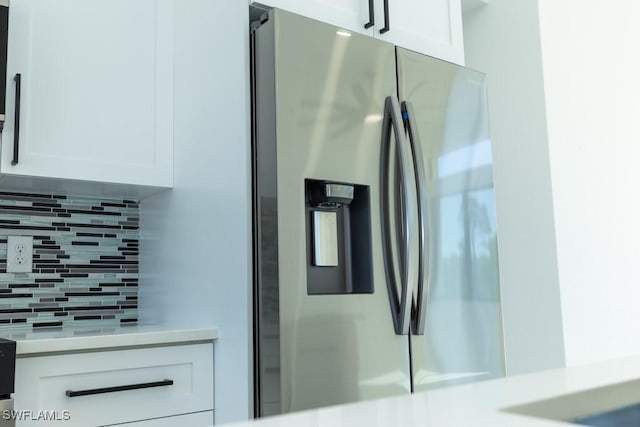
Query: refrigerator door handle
x=419, y=315
x=400, y=304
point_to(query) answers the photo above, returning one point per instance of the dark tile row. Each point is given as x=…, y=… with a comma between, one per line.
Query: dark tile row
x=106, y=247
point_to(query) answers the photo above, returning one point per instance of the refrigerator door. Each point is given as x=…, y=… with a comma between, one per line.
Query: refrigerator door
x=461, y=337
x=319, y=101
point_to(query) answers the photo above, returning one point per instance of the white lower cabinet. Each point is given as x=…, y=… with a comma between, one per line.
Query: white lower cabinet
x=118, y=386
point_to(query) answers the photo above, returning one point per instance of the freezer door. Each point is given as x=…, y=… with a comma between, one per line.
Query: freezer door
x=460, y=339
x=319, y=97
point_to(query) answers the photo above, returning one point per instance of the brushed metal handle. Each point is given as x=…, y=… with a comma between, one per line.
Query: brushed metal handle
x=423, y=210
x=88, y=392
x=400, y=304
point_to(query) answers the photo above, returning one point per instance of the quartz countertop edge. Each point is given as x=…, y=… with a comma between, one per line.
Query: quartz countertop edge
x=489, y=403
x=78, y=339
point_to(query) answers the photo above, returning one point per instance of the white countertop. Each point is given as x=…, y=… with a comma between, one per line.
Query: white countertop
x=480, y=404
x=31, y=342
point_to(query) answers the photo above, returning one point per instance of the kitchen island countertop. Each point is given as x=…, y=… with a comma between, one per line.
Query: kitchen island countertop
x=489, y=403
x=30, y=342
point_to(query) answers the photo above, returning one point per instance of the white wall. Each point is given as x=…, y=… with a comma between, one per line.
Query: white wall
x=584, y=52
x=502, y=40
x=591, y=73
x=195, y=239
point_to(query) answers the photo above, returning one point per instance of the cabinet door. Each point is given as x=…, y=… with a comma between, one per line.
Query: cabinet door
x=432, y=27
x=349, y=14
x=96, y=90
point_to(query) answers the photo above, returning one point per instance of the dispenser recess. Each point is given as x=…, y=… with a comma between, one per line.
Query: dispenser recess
x=338, y=234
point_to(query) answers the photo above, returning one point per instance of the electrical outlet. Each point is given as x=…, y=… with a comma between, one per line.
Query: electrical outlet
x=19, y=254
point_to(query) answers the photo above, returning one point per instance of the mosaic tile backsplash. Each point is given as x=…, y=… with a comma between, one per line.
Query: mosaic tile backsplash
x=85, y=261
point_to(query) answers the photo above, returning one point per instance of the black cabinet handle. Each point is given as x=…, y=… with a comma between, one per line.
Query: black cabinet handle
x=371, y=16
x=71, y=393
x=386, y=17
x=16, y=119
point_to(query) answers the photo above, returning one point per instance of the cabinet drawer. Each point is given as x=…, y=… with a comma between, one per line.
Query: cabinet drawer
x=93, y=387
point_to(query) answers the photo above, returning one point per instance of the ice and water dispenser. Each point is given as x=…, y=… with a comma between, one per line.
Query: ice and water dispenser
x=339, y=255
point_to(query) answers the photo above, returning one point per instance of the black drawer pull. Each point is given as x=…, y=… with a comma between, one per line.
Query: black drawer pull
x=386, y=28
x=16, y=119
x=371, y=17
x=71, y=393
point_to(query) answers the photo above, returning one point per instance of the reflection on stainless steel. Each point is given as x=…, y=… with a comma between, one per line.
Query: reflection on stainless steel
x=462, y=339
x=344, y=116
x=470, y=157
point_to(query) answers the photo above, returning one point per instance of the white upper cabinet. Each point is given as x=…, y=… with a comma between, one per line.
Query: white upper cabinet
x=351, y=15
x=432, y=27
x=96, y=92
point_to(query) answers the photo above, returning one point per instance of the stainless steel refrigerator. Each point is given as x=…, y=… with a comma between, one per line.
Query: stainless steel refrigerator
x=375, y=255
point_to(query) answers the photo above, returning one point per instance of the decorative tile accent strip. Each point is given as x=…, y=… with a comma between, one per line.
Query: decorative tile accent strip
x=85, y=261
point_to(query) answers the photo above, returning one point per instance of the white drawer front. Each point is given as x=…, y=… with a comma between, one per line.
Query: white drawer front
x=42, y=384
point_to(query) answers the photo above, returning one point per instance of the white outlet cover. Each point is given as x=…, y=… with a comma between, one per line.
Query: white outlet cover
x=19, y=261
